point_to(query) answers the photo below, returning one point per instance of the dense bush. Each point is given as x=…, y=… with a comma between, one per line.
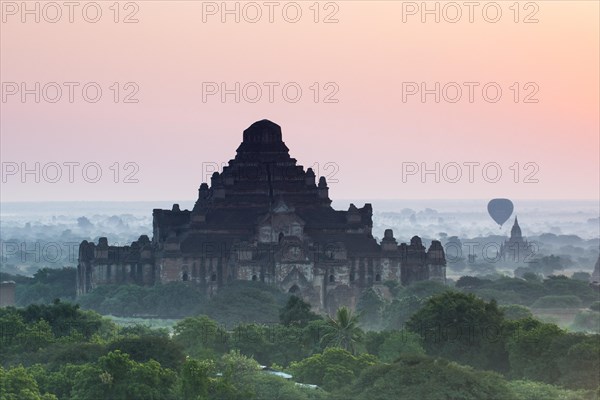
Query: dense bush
x=332, y=369
x=526, y=291
x=214, y=352
x=46, y=285
x=202, y=360
x=145, y=348
x=421, y=377
x=239, y=301
x=562, y=286
x=515, y=311
x=462, y=327
x=528, y=390
x=243, y=301
x=569, y=301
x=172, y=300
x=587, y=321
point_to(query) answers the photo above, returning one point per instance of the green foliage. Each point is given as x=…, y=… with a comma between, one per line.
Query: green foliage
x=18, y=384
x=313, y=335
x=568, y=301
x=373, y=340
x=59, y=382
x=400, y=343
x=28, y=334
x=397, y=313
x=471, y=282
x=462, y=327
x=236, y=365
x=74, y=354
x=420, y=377
x=265, y=386
x=145, y=348
x=37, y=335
x=272, y=344
x=201, y=337
x=369, y=308
x=116, y=376
x=587, y=321
x=500, y=296
x=195, y=381
x=296, y=312
x=18, y=279
x=563, y=286
x=580, y=364
x=58, y=354
x=528, y=390
x=240, y=379
x=171, y=300
x=138, y=329
x=236, y=302
x=250, y=302
x=343, y=331
x=63, y=318
x=595, y=306
x=393, y=286
x=391, y=344
x=332, y=369
x=533, y=342
x=514, y=312
x=532, y=277
x=73, y=368
x=544, y=352
x=512, y=291
x=547, y=265
x=423, y=289
x=236, y=369
x=47, y=285
x=581, y=276
x=526, y=291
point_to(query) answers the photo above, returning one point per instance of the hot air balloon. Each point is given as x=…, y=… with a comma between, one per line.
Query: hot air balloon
x=500, y=210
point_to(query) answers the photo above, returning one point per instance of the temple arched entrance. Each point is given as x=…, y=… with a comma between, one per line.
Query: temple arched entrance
x=295, y=290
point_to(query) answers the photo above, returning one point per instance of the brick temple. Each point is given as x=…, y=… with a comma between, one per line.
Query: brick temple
x=265, y=218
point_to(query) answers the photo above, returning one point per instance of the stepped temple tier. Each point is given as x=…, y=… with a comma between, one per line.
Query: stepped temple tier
x=265, y=218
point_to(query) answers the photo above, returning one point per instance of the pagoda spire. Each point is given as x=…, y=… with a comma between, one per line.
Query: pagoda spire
x=515, y=232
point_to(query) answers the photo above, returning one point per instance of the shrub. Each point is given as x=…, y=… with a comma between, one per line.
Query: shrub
x=567, y=301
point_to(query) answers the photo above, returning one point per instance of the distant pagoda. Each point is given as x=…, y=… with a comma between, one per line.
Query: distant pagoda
x=516, y=251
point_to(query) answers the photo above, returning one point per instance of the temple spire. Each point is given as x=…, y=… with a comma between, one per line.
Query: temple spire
x=515, y=232
x=262, y=142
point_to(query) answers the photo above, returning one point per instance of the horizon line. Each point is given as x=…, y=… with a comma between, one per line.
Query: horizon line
x=333, y=200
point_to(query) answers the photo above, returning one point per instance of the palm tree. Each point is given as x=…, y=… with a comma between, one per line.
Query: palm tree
x=343, y=331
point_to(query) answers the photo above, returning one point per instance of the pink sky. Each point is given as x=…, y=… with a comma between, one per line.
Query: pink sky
x=368, y=133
